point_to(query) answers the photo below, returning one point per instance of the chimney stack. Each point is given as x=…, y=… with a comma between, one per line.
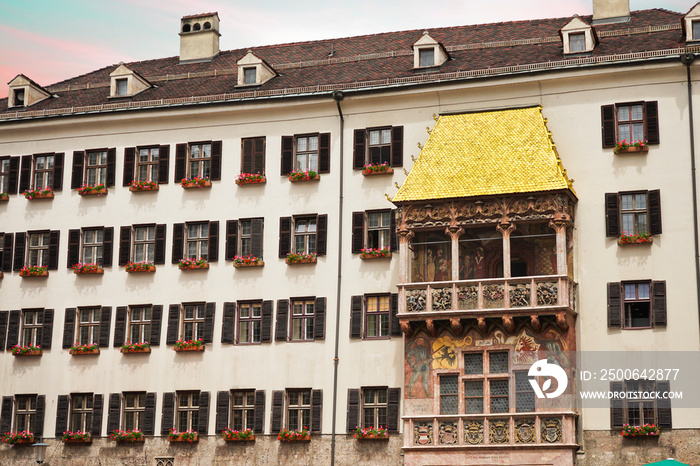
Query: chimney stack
x=199, y=38
x=611, y=11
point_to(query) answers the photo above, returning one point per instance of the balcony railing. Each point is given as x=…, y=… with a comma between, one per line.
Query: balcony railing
x=512, y=294
x=554, y=429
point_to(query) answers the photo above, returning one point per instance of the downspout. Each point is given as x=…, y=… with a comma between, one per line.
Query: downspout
x=338, y=96
x=687, y=59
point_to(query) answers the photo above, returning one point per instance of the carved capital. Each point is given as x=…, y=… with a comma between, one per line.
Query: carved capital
x=406, y=328
x=535, y=322
x=456, y=325
x=508, y=324
x=559, y=225
x=506, y=229
x=454, y=232
x=430, y=326
x=405, y=236
x=562, y=322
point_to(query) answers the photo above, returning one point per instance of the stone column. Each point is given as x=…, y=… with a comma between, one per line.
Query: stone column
x=404, y=263
x=559, y=226
x=506, y=229
x=454, y=233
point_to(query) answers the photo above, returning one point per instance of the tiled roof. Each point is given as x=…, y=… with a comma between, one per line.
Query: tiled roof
x=369, y=62
x=486, y=153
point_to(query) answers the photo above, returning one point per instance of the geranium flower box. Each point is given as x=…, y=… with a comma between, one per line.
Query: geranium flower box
x=127, y=436
x=646, y=430
x=371, y=433
x=300, y=258
x=631, y=147
x=33, y=271
x=630, y=240
x=231, y=435
x=18, y=438
x=189, y=345
x=189, y=436
x=250, y=178
x=96, y=190
x=294, y=435
x=41, y=193
x=375, y=253
x=4, y=197
x=247, y=261
x=297, y=176
x=138, y=186
x=140, y=267
x=77, y=437
x=193, y=264
x=84, y=350
x=135, y=348
x=86, y=269
x=28, y=350
x=195, y=183
x=372, y=169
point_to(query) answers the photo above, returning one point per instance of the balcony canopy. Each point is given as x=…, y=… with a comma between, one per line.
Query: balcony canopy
x=486, y=153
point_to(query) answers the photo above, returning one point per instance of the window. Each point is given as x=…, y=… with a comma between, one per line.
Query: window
x=375, y=405
x=25, y=413
x=634, y=121
x=253, y=155
x=633, y=213
x=38, y=250
x=88, y=326
x=5, y=175
x=637, y=305
x=43, y=171
x=244, y=237
x=305, y=235
x=93, y=246
x=577, y=42
x=139, y=326
x=249, y=322
x=19, y=97
x=303, y=319
x=374, y=316
x=96, y=168
x=249, y=75
x=197, y=240
x=305, y=153
x=192, y=326
x=32, y=323
x=449, y=402
x=40, y=171
x=427, y=57
x=187, y=411
x=144, y=243
x=122, y=86
x=648, y=405
x=147, y=164
x=374, y=229
x=199, y=161
x=81, y=412
x=242, y=409
x=377, y=316
x=134, y=411
x=524, y=396
x=298, y=409
x=696, y=32
x=377, y=146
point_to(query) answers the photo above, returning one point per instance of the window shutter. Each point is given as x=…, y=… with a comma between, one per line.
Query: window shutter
x=277, y=407
x=168, y=415
x=616, y=406
x=612, y=215
x=285, y=236
x=321, y=234
x=266, y=326
x=320, y=319
x=149, y=420
x=654, y=198
x=256, y=236
x=73, y=248
x=231, y=239
x=68, y=330
x=213, y=251
x=282, y=309
x=203, y=426
x=173, y=320
x=7, y=253
x=397, y=146
x=324, y=153
x=25, y=174
x=663, y=406
x=124, y=245
x=39, y=419
x=395, y=325
x=659, y=303
x=652, y=121
x=316, y=410
x=13, y=329
x=105, y=321
x=58, y=172
x=6, y=413
x=358, y=232
x=113, y=412
x=14, y=176
x=163, y=164
x=356, y=317
x=358, y=156
x=215, y=160
x=156, y=318
x=111, y=167
x=97, y=405
x=61, y=415
x=287, y=155
x=393, y=237
x=47, y=329
x=393, y=409
x=209, y=323
x=3, y=328
x=247, y=156
x=227, y=324
x=77, y=175
x=178, y=242
x=608, y=125
x=107, y=240
x=129, y=162
x=259, y=412
x=614, y=306
x=159, y=253
x=53, y=249
x=353, y=415
x=180, y=162
x=120, y=327
x=222, y=400
x=20, y=243
x=259, y=156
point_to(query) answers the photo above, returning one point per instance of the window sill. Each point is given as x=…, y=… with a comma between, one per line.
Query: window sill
x=305, y=438
x=234, y=440
x=130, y=441
x=632, y=150
x=149, y=269
x=183, y=440
x=30, y=353
x=95, y=192
x=185, y=349
x=86, y=441
x=195, y=185
x=389, y=171
x=301, y=261
x=99, y=271
x=134, y=351
x=365, y=257
x=258, y=263
x=304, y=180
x=37, y=197
x=186, y=268
x=34, y=275
x=373, y=437
x=94, y=352
x=137, y=189
x=622, y=243
x=249, y=182
x=4, y=197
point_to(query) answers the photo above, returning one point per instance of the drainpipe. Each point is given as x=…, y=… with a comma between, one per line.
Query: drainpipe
x=687, y=59
x=338, y=96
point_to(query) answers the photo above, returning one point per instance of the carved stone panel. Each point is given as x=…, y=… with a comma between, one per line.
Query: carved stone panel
x=442, y=299
x=415, y=300
x=525, y=431
x=423, y=433
x=499, y=431
x=448, y=434
x=474, y=432
x=550, y=430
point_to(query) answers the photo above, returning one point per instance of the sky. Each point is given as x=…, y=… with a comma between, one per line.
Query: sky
x=52, y=40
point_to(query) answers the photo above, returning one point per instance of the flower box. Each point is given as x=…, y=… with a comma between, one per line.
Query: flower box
x=78, y=437
x=190, y=436
x=296, y=176
x=35, y=194
x=294, y=435
x=257, y=263
x=33, y=271
x=374, y=437
x=630, y=240
x=294, y=258
x=366, y=256
x=90, y=352
x=300, y=438
x=189, y=348
x=4, y=197
x=247, y=261
x=302, y=180
x=84, y=441
x=135, y=350
x=136, y=188
x=28, y=350
x=127, y=436
x=390, y=171
x=99, y=190
x=193, y=264
x=137, y=267
x=375, y=253
x=231, y=435
x=646, y=430
x=250, y=178
x=18, y=438
x=189, y=345
x=631, y=147
x=130, y=441
x=195, y=183
x=377, y=169
x=371, y=433
x=86, y=269
x=234, y=440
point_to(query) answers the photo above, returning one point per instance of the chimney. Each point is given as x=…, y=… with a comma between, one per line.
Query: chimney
x=611, y=11
x=199, y=38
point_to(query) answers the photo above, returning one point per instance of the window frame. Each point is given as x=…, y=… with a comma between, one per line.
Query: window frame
x=152, y=163
x=637, y=300
x=143, y=325
x=121, y=87
x=47, y=174
x=249, y=78
x=306, y=235
x=35, y=327
x=43, y=250
x=100, y=168
x=423, y=53
x=308, y=152
x=201, y=161
x=301, y=408
x=251, y=320
x=244, y=410
x=581, y=43
x=378, y=313
x=5, y=171
x=191, y=410
x=85, y=412
x=635, y=212
x=620, y=406
x=138, y=411
x=201, y=241
x=95, y=246
x=149, y=244
x=610, y=123
x=25, y=418
x=198, y=323
x=376, y=407
x=92, y=324
x=384, y=239
x=308, y=320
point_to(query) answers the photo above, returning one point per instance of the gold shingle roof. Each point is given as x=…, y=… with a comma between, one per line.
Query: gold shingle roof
x=486, y=153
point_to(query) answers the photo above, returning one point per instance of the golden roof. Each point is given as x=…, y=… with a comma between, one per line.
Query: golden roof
x=486, y=153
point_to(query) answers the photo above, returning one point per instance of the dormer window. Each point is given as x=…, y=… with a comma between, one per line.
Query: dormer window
x=122, y=88
x=427, y=57
x=578, y=37
x=125, y=82
x=577, y=42
x=253, y=71
x=19, y=97
x=24, y=92
x=428, y=53
x=691, y=24
x=249, y=75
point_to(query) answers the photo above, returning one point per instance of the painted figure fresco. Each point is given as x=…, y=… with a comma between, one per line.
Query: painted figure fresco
x=417, y=372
